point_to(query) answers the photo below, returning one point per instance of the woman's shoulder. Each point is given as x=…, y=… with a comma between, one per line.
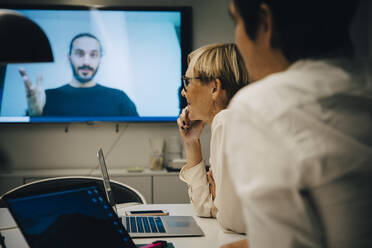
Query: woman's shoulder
x=218, y=130
x=220, y=119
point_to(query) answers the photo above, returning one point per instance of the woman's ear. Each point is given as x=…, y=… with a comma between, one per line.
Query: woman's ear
x=216, y=88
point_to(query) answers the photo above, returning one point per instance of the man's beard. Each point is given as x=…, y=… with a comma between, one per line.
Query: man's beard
x=77, y=76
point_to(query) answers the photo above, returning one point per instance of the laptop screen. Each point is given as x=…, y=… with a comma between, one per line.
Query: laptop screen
x=106, y=179
x=79, y=217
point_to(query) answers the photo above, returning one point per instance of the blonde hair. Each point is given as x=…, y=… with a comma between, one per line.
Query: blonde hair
x=220, y=61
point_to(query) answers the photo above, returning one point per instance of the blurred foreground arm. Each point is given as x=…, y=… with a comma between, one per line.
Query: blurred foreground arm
x=237, y=244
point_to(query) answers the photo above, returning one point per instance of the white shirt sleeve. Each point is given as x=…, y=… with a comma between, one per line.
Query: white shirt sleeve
x=226, y=207
x=198, y=189
x=266, y=180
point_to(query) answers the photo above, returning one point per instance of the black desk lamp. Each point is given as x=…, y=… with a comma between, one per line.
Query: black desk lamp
x=22, y=40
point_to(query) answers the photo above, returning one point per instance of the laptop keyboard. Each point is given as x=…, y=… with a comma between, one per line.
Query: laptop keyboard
x=143, y=224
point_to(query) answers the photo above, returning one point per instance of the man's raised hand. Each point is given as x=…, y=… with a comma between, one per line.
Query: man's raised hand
x=35, y=94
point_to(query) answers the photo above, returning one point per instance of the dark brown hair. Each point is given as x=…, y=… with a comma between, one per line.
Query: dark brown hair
x=303, y=29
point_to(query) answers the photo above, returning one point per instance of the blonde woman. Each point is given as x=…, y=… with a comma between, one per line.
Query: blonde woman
x=215, y=73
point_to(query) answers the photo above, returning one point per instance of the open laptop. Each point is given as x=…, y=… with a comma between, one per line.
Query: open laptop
x=150, y=226
x=75, y=216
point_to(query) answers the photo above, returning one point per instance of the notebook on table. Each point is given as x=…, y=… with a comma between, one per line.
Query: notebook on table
x=150, y=226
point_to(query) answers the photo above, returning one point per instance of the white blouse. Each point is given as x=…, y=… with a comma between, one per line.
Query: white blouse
x=226, y=207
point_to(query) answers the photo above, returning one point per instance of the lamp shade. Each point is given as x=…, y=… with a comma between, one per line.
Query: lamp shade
x=22, y=40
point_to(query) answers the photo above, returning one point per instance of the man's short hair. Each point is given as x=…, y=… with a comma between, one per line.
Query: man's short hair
x=85, y=35
x=303, y=29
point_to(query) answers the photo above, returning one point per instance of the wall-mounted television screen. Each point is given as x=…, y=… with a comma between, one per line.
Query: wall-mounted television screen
x=110, y=64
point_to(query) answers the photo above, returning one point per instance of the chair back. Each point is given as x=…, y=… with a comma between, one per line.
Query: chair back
x=122, y=193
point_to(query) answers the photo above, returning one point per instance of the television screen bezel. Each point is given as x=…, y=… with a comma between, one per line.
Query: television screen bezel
x=185, y=43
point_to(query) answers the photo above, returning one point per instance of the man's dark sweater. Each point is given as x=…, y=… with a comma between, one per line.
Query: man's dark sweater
x=94, y=101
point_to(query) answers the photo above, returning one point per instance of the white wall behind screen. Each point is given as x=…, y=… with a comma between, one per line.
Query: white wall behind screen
x=48, y=146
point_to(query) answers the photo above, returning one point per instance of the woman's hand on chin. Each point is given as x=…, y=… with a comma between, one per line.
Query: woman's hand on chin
x=190, y=130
